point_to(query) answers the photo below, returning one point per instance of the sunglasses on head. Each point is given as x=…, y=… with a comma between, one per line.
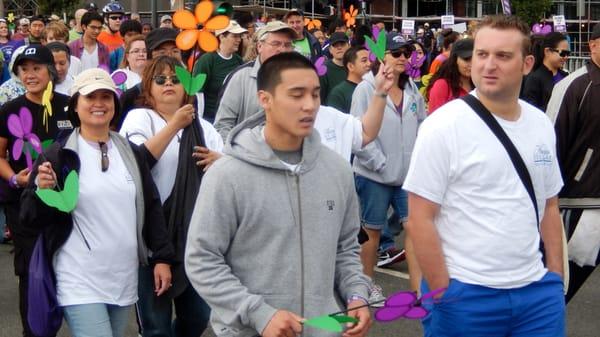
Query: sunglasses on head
x=398, y=52
x=561, y=53
x=162, y=79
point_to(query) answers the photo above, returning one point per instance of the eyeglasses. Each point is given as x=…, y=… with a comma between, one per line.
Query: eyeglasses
x=104, y=158
x=138, y=51
x=95, y=27
x=279, y=44
x=561, y=53
x=116, y=17
x=162, y=79
x=398, y=52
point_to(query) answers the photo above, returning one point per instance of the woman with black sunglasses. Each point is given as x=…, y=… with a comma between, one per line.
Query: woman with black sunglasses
x=117, y=221
x=551, y=54
x=163, y=126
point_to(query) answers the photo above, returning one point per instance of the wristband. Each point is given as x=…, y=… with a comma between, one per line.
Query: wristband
x=381, y=94
x=12, y=182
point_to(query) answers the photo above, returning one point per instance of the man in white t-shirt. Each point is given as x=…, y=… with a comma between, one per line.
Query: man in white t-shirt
x=471, y=220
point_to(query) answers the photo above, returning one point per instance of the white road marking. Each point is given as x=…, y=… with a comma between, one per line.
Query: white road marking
x=392, y=272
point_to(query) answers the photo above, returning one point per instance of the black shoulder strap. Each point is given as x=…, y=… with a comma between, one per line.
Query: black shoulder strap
x=514, y=155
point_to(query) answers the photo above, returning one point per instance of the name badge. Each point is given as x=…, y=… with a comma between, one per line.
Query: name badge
x=64, y=124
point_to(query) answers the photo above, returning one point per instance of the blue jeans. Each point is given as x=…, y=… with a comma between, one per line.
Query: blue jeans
x=2, y=223
x=97, y=319
x=376, y=199
x=465, y=310
x=192, y=312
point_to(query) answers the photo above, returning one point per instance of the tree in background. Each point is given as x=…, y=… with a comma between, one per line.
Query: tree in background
x=531, y=11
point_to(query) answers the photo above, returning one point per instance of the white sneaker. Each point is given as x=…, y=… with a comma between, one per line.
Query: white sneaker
x=376, y=299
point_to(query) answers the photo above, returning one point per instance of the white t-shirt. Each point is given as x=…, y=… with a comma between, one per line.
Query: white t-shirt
x=65, y=86
x=74, y=66
x=105, y=214
x=89, y=60
x=339, y=131
x=142, y=124
x=486, y=221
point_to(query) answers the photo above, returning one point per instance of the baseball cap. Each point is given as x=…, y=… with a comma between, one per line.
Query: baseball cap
x=463, y=48
x=159, y=36
x=338, y=37
x=24, y=21
x=276, y=26
x=91, y=80
x=293, y=11
x=165, y=18
x=34, y=52
x=395, y=41
x=596, y=32
x=233, y=27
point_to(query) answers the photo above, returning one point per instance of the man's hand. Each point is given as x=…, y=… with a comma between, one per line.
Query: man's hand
x=205, y=157
x=363, y=315
x=23, y=177
x=46, y=177
x=283, y=324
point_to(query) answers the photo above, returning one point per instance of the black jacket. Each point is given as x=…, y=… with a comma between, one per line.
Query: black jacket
x=538, y=87
x=315, y=46
x=36, y=217
x=577, y=125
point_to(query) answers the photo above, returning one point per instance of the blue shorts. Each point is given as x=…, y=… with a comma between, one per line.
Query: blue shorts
x=376, y=199
x=467, y=310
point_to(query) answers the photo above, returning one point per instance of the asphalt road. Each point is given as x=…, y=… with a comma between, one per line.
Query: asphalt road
x=583, y=312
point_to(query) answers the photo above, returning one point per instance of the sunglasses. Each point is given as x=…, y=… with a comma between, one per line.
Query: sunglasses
x=116, y=17
x=561, y=53
x=398, y=52
x=162, y=79
x=104, y=158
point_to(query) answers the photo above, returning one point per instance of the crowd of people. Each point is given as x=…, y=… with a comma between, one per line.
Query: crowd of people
x=306, y=146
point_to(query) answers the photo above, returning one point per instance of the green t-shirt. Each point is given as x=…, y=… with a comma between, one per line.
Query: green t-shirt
x=340, y=97
x=303, y=47
x=334, y=76
x=216, y=69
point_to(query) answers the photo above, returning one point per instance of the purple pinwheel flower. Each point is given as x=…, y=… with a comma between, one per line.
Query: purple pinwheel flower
x=20, y=127
x=413, y=67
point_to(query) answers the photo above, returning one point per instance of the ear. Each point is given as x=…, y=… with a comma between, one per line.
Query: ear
x=528, y=63
x=265, y=99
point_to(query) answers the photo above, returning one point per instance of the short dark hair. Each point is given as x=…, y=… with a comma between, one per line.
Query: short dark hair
x=91, y=16
x=450, y=37
x=505, y=22
x=58, y=47
x=269, y=74
x=72, y=112
x=351, y=55
x=130, y=26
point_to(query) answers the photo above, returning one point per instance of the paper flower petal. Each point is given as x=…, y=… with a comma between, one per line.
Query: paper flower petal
x=345, y=319
x=217, y=22
x=320, y=66
x=119, y=77
x=65, y=200
x=26, y=120
x=207, y=41
x=388, y=314
x=34, y=140
x=203, y=11
x=17, y=149
x=184, y=19
x=416, y=313
x=324, y=323
x=186, y=39
x=14, y=126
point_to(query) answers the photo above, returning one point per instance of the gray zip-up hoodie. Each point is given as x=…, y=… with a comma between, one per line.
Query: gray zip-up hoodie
x=264, y=238
x=386, y=159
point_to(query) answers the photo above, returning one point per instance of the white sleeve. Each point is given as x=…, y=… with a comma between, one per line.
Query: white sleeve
x=553, y=182
x=137, y=126
x=357, y=133
x=213, y=139
x=200, y=103
x=430, y=165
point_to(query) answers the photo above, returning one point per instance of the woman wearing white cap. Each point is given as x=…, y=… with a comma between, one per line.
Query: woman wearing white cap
x=118, y=219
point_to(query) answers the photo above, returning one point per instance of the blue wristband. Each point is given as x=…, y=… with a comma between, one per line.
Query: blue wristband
x=12, y=182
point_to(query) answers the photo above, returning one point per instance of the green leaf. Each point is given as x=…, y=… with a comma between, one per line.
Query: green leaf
x=345, y=319
x=33, y=152
x=65, y=200
x=324, y=323
x=191, y=84
x=377, y=48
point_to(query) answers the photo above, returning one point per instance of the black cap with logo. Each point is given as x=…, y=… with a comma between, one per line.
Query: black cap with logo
x=36, y=53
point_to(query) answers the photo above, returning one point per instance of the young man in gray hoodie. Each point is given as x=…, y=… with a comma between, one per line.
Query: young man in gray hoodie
x=278, y=192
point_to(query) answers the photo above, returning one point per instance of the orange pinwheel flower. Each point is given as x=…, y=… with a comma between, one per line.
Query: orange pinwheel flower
x=350, y=16
x=199, y=27
x=312, y=24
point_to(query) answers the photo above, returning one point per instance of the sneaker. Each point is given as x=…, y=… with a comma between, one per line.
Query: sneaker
x=376, y=298
x=390, y=256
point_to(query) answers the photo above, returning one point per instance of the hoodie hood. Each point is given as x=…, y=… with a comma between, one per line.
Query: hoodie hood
x=247, y=143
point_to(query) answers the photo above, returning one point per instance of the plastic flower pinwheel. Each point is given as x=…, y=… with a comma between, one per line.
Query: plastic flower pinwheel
x=350, y=16
x=312, y=24
x=199, y=27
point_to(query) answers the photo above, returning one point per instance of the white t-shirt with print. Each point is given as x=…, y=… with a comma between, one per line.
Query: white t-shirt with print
x=486, y=221
x=106, y=272
x=339, y=131
x=142, y=124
